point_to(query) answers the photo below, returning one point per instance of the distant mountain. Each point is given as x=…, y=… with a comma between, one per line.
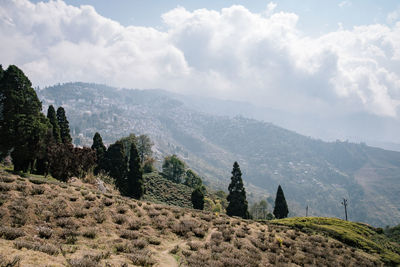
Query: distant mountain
x=311, y=172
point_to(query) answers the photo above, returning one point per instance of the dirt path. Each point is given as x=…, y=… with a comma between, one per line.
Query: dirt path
x=164, y=258
x=208, y=237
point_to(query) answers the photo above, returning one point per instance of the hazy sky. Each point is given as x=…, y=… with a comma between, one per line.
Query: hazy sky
x=326, y=57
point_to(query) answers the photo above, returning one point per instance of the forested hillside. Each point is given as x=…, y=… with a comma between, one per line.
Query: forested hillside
x=311, y=172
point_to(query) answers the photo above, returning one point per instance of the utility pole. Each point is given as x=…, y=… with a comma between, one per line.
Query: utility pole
x=307, y=211
x=344, y=203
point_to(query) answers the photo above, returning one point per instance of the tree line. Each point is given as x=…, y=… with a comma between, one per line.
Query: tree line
x=42, y=144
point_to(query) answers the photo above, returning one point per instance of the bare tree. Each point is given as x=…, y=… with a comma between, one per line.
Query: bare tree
x=344, y=203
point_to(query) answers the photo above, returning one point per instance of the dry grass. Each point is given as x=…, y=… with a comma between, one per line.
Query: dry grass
x=76, y=225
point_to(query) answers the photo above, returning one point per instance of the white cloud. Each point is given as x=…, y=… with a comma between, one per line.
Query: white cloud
x=271, y=7
x=232, y=53
x=344, y=4
x=393, y=16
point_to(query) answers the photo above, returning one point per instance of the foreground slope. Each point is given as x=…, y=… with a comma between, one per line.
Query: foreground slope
x=47, y=222
x=311, y=172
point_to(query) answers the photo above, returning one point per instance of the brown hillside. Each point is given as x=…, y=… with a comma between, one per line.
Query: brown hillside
x=47, y=223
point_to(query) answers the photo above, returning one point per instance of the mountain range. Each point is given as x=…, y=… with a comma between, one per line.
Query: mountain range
x=311, y=172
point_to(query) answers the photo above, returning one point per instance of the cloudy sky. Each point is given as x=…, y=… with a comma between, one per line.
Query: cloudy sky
x=312, y=56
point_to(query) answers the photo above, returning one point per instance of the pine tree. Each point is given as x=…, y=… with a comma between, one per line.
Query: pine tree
x=281, y=208
x=237, y=195
x=51, y=115
x=64, y=126
x=22, y=125
x=134, y=186
x=100, y=150
x=198, y=198
x=115, y=163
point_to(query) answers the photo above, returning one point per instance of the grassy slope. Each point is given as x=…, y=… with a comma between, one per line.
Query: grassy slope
x=353, y=234
x=47, y=222
x=161, y=190
x=393, y=233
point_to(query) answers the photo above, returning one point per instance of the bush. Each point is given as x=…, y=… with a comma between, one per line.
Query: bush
x=107, y=202
x=194, y=246
x=86, y=261
x=129, y=234
x=20, y=187
x=73, y=198
x=6, y=179
x=90, y=197
x=37, y=181
x=119, y=219
x=45, y=232
x=99, y=216
x=18, y=212
x=89, y=233
x=134, y=225
x=37, y=190
x=11, y=233
x=80, y=213
x=45, y=248
x=140, y=243
x=6, y=187
x=154, y=241
x=60, y=208
x=141, y=258
x=67, y=223
x=121, y=209
x=184, y=227
x=216, y=238
x=199, y=232
x=70, y=236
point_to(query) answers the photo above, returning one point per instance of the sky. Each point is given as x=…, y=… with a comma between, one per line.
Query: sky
x=336, y=58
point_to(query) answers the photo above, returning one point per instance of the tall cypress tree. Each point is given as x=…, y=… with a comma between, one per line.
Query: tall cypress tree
x=51, y=115
x=281, y=208
x=64, y=126
x=22, y=125
x=100, y=150
x=198, y=198
x=116, y=164
x=237, y=195
x=134, y=186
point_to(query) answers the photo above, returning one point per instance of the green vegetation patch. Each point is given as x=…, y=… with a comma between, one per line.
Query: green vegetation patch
x=354, y=234
x=161, y=190
x=393, y=233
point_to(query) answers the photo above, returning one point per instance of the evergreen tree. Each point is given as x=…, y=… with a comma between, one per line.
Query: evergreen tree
x=237, y=195
x=22, y=125
x=100, y=150
x=134, y=185
x=192, y=179
x=198, y=198
x=64, y=126
x=173, y=169
x=51, y=115
x=144, y=145
x=115, y=163
x=61, y=159
x=281, y=208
